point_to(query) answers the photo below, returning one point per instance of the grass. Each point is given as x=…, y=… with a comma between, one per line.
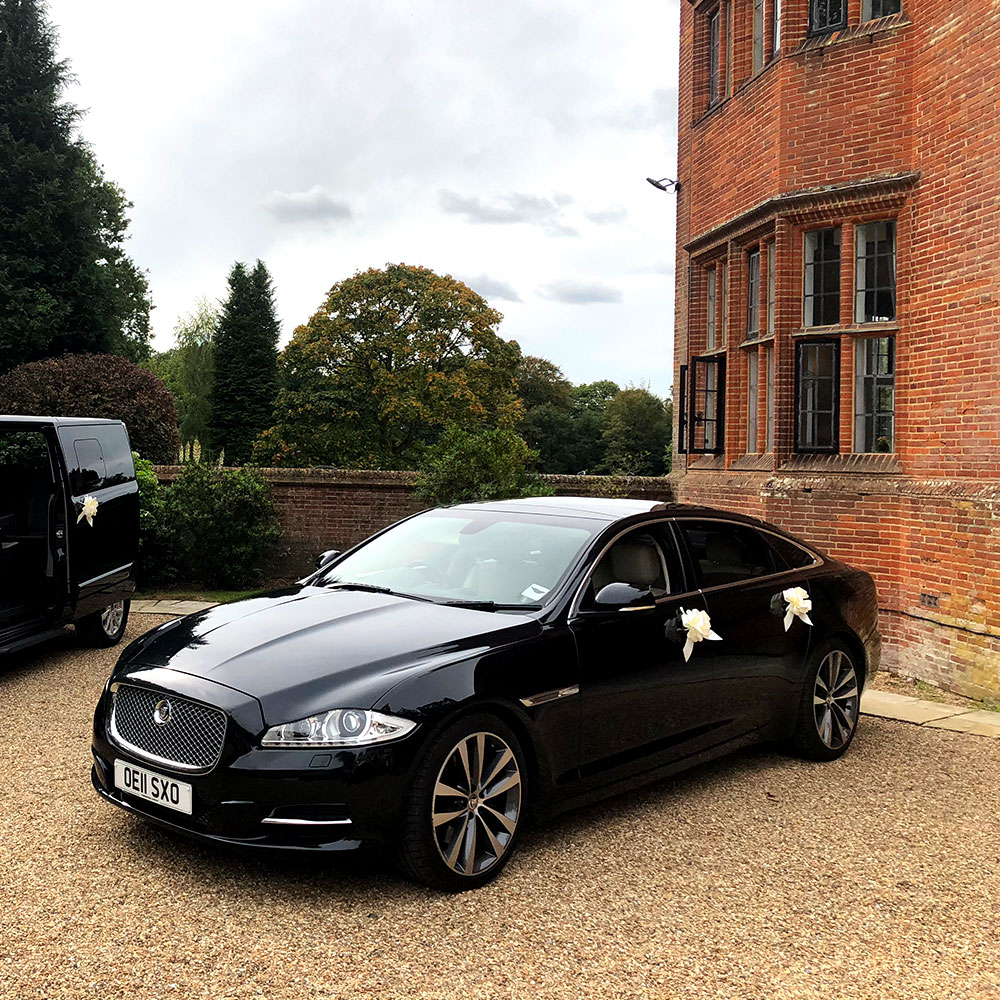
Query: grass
x=189, y=594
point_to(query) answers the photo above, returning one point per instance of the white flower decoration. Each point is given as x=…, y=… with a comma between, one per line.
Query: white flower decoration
x=699, y=627
x=798, y=605
x=90, y=505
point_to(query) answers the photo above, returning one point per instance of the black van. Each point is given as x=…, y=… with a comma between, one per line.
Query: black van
x=69, y=529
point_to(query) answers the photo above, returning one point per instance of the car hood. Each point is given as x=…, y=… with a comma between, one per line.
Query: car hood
x=309, y=649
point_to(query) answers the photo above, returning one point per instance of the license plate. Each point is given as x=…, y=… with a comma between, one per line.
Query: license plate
x=153, y=787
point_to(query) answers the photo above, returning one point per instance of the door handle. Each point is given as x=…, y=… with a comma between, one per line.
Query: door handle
x=673, y=630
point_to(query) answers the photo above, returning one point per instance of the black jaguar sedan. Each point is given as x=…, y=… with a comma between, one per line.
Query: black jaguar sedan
x=471, y=666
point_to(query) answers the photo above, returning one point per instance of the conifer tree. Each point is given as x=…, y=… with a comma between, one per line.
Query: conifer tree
x=246, y=358
x=66, y=284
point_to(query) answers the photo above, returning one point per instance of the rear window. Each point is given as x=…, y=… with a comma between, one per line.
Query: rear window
x=723, y=552
x=100, y=456
x=788, y=555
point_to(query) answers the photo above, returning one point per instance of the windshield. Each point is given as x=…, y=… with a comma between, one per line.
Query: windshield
x=476, y=556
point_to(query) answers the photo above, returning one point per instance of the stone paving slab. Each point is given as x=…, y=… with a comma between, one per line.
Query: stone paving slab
x=169, y=607
x=902, y=708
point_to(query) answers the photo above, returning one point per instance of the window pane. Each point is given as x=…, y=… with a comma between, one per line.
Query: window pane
x=707, y=414
x=90, y=469
x=710, y=331
x=770, y=399
x=713, y=58
x=753, y=396
x=827, y=15
x=777, y=26
x=753, y=294
x=821, y=297
x=725, y=303
x=871, y=9
x=875, y=271
x=726, y=553
x=875, y=396
x=758, y=34
x=771, y=288
x=817, y=395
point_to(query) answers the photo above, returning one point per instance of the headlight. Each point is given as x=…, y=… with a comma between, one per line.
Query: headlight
x=343, y=727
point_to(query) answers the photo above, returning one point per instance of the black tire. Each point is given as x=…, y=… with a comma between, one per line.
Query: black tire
x=106, y=627
x=824, y=730
x=424, y=845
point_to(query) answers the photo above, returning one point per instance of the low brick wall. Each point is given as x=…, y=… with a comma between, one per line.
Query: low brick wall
x=335, y=508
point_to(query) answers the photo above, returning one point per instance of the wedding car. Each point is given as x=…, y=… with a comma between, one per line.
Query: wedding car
x=470, y=666
x=69, y=529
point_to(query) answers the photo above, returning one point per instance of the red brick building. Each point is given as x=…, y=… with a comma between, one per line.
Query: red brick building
x=838, y=298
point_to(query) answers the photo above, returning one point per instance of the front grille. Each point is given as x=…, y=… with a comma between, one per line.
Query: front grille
x=192, y=738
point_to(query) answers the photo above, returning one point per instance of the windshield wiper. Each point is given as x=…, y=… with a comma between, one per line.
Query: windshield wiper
x=473, y=605
x=372, y=588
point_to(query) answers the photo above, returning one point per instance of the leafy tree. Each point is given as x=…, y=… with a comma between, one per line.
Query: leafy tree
x=98, y=385
x=187, y=370
x=541, y=383
x=637, y=432
x=492, y=464
x=594, y=397
x=66, y=283
x=391, y=358
x=244, y=383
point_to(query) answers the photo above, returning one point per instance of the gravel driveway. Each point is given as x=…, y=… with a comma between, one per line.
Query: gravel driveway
x=758, y=876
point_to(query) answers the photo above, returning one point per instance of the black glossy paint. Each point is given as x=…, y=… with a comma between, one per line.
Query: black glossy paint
x=641, y=710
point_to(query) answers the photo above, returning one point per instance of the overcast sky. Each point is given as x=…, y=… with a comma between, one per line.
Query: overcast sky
x=505, y=144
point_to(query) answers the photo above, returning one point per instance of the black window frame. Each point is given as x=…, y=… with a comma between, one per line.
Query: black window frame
x=820, y=22
x=880, y=5
x=753, y=293
x=718, y=361
x=714, y=52
x=682, y=422
x=800, y=447
x=818, y=267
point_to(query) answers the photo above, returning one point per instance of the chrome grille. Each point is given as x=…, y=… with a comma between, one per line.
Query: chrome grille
x=191, y=740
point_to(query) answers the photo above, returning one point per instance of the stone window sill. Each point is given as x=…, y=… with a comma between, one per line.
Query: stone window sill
x=853, y=463
x=852, y=32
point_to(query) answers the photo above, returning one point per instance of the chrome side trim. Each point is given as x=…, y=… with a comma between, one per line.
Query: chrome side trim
x=280, y=821
x=546, y=696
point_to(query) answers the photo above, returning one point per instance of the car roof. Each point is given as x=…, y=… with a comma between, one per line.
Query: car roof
x=57, y=421
x=607, y=509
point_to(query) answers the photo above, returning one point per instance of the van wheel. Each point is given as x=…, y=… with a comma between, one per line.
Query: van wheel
x=104, y=628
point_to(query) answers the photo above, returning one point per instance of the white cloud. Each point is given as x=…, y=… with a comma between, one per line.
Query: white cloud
x=314, y=205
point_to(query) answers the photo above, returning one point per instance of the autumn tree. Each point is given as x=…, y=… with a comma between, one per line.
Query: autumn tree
x=66, y=283
x=244, y=382
x=392, y=357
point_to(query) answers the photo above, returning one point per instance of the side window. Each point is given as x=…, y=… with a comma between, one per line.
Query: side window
x=90, y=471
x=117, y=455
x=788, y=555
x=726, y=553
x=637, y=559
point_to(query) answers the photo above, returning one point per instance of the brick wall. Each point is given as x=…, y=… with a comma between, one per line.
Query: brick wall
x=323, y=509
x=895, y=119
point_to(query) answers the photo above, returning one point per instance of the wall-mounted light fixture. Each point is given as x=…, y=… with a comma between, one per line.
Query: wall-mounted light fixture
x=665, y=184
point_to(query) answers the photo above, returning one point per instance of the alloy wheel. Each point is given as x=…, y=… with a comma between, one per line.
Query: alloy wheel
x=111, y=618
x=476, y=803
x=836, y=699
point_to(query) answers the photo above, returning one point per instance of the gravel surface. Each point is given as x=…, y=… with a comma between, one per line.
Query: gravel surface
x=754, y=877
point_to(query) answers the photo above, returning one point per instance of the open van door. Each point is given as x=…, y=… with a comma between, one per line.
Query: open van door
x=103, y=527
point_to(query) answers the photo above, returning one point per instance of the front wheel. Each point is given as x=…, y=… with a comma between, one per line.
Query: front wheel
x=104, y=628
x=830, y=704
x=466, y=806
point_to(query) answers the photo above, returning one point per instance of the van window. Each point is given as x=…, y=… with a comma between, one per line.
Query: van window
x=117, y=455
x=91, y=470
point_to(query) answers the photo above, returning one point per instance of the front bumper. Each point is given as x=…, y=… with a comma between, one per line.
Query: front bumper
x=330, y=800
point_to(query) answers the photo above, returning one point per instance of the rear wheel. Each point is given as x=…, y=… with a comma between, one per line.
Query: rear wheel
x=465, y=808
x=830, y=705
x=104, y=628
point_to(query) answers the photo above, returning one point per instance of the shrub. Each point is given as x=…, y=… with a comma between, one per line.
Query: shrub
x=155, y=564
x=488, y=465
x=98, y=385
x=223, y=525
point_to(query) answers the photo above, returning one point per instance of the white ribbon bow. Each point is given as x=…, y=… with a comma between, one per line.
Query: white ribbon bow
x=89, y=511
x=699, y=627
x=798, y=604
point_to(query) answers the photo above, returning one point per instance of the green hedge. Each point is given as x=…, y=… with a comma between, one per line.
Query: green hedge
x=212, y=527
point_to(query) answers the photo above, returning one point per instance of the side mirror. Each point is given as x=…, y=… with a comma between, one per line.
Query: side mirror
x=623, y=597
x=324, y=557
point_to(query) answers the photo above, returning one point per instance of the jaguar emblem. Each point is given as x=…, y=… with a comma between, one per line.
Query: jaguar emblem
x=163, y=712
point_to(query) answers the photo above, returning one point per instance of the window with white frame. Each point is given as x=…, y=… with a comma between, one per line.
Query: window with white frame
x=875, y=273
x=772, y=286
x=753, y=294
x=875, y=394
x=714, y=25
x=758, y=35
x=769, y=360
x=710, y=311
x=753, y=398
